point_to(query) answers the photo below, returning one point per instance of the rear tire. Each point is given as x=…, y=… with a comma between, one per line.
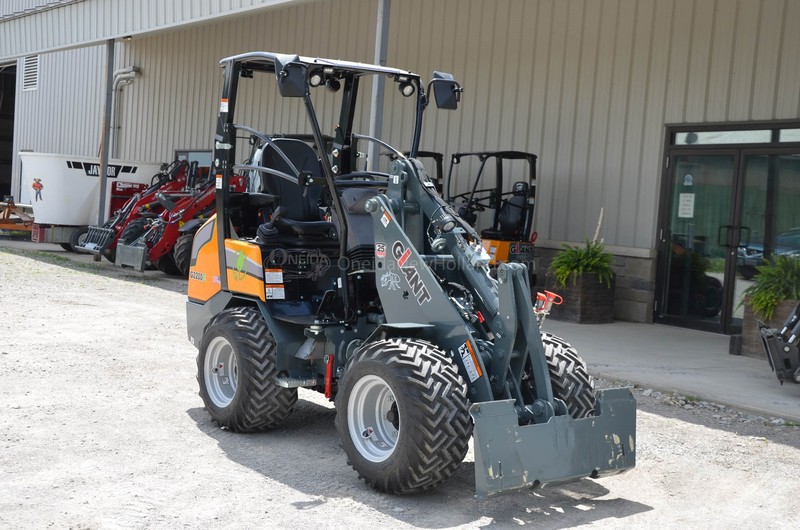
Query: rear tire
x=403, y=415
x=568, y=375
x=167, y=265
x=78, y=237
x=236, y=370
x=182, y=253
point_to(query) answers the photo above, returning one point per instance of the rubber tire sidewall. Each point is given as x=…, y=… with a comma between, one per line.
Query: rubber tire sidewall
x=132, y=231
x=77, y=238
x=248, y=411
x=394, y=474
x=182, y=253
x=166, y=264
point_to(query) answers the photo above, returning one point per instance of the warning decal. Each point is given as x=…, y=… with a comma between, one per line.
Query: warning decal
x=470, y=361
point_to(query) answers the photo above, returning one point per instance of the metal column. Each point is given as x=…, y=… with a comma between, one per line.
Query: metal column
x=378, y=81
x=101, y=214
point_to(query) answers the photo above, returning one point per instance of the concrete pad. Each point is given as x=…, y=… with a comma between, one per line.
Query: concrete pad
x=689, y=362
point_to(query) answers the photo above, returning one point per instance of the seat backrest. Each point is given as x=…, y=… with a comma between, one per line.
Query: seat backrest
x=511, y=215
x=297, y=205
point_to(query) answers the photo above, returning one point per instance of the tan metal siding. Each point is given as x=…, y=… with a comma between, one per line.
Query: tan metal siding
x=172, y=104
x=585, y=84
x=589, y=85
x=787, y=95
x=90, y=22
x=64, y=114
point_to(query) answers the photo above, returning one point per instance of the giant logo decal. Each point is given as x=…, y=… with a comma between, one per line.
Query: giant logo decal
x=401, y=254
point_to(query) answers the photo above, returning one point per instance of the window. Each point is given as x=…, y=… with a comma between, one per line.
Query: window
x=203, y=158
x=30, y=73
x=723, y=137
x=790, y=135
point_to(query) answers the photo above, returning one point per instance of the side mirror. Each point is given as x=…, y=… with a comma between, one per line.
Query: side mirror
x=291, y=76
x=446, y=90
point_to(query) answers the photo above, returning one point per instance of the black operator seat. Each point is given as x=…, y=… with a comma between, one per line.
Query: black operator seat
x=510, y=217
x=298, y=213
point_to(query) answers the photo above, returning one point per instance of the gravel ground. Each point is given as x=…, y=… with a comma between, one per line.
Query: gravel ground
x=102, y=427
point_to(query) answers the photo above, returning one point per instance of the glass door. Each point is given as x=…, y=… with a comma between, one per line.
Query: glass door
x=730, y=201
x=697, y=241
x=770, y=215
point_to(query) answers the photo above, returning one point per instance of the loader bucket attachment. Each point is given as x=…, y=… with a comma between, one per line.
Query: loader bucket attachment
x=133, y=255
x=782, y=353
x=97, y=240
x=509, y=456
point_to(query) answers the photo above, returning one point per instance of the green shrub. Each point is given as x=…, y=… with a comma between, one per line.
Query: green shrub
x=774, y=283
x=591, y=257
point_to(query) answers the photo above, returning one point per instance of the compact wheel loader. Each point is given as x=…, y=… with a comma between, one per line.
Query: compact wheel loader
x=366, y=286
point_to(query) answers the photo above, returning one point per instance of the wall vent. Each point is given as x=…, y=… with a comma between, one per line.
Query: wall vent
x=30, y=73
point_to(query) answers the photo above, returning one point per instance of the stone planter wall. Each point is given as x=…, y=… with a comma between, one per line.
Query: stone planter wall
x=586, y=300
x=751, y=338
x=634, y=290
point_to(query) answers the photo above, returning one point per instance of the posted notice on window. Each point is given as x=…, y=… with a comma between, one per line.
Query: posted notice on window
x=686, y=205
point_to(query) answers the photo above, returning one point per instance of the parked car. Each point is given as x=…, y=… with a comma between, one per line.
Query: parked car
x=751, y=255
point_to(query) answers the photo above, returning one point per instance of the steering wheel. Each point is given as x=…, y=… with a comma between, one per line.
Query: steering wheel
x=471, y=202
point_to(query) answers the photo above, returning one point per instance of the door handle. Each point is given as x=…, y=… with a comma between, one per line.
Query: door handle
x=727, y=229
x=744, y=240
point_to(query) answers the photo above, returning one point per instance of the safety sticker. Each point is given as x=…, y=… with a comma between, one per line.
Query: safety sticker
x=219, y=182
x=273, y=276
x=275, y=292
x=385, y=219
x=470, y=361
x=223, y=105
x=380, y=250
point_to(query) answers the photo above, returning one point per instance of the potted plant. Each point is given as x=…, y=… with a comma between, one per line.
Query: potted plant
x=774, y=293
x=583, y=276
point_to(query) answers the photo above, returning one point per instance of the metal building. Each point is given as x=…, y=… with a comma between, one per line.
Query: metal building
x=679, y=118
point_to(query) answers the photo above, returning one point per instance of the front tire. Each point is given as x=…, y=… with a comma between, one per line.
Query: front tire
x=403, y=415
x=569, y=377
x=132, y=231
x=236, y=370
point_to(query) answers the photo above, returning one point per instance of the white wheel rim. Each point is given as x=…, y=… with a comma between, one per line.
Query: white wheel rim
x=221, y=372
x=373, y=418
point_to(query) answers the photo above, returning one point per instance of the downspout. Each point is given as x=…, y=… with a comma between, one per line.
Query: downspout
x=122, y=77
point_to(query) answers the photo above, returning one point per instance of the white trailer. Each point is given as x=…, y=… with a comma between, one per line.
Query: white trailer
x=64, y=192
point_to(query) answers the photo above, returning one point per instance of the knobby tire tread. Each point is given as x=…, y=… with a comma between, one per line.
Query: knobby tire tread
x=568, y=375
x=182, y=253
x=433, y=399
x=259, y=402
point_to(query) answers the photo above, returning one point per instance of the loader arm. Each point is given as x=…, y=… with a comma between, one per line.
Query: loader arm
x=520, y=439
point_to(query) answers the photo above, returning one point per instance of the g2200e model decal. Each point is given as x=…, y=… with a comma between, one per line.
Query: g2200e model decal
x=401, y=254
